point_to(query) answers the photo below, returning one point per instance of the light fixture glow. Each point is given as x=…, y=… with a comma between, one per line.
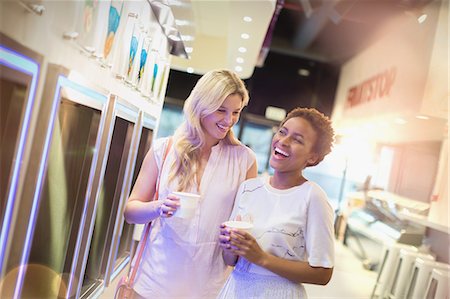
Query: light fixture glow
x=238, y=68
x=245, y=36
x=303, y=72
x=400, y=121
x=189, y=49
x=190, y=70
x=422, y=18
x=247, y=19
x=240, y=60
x=242, y=49
x=182, y=22
x=187, y=38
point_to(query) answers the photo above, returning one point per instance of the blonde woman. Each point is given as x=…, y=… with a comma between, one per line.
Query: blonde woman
x=182, y=258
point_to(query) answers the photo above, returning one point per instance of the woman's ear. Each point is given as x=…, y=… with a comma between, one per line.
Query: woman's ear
x=313, y=158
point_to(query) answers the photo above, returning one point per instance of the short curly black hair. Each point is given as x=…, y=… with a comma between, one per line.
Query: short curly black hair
x=321, y=124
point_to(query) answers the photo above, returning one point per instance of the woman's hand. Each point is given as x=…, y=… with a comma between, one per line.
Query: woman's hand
x=229, y=257
x=244, y=244
x=169, y=206
x=224, y=237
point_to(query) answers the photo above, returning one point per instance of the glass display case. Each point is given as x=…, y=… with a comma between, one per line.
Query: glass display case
x=58, y=181
x=126, y=247
x=19, y=74
x=111, y=197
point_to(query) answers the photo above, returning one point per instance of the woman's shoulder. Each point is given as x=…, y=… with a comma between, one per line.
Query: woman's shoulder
x=253, y=183
x=159, y=144
x=241, y=149
x=317, y=194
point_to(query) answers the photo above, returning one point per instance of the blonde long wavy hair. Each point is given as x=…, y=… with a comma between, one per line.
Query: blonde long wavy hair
x=206, y=97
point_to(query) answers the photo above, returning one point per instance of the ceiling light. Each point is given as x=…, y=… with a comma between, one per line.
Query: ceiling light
x=422, y=18
x=240, y=60
x=422, y=117
x=245, y=36
x=303, y=72
x=238, y=68
x=174, y=37
x=400, y=121
x=187, y=38
x=182, y=22
x=189, y=49
x=247, y=19
x=242, y=49
x=190, y=70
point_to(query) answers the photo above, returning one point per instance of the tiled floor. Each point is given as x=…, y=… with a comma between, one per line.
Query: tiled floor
x=350, y=280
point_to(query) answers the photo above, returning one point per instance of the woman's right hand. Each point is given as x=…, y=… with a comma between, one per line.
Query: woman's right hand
x=169, y=205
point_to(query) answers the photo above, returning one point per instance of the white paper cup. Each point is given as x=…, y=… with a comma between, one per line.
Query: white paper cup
x=241, y=225
x=188, y=204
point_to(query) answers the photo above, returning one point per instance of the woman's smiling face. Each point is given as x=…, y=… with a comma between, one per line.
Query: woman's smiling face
x=217, y=124
x=292, y=146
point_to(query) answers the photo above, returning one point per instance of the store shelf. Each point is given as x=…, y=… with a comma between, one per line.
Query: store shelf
x=423, y=220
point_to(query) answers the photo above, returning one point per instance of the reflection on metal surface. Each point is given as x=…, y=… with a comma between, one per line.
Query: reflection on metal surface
x=166, y=20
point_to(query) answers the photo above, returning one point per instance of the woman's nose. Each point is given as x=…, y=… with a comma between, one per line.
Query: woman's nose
x=228, y=118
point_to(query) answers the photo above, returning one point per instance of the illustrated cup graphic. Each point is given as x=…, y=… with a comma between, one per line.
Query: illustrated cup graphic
x=188, y=204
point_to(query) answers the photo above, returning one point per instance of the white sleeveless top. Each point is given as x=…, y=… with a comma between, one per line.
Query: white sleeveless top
x=182, y=258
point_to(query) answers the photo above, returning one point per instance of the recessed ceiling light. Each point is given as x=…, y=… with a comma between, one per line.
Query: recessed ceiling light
x=190, y=70
x=189, y=49
x=240, y=60
x=238, y=68
x=422, y=117
x=187, y=38
x=422, y=18
x=174, y=37
x=245, y=36
x=247, y=19
x=303, y=72
x=400, y=121
x=242, y=49
x=182, y=22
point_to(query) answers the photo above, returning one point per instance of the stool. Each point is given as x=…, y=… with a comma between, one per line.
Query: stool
x=438, y=285
x=389, y=256
x=420, y=276
x=402, y=269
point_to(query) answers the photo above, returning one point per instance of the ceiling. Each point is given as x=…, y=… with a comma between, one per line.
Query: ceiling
x=213, y=30
x=329, y=31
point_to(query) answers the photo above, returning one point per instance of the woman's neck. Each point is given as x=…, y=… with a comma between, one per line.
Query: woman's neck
x=286, y=180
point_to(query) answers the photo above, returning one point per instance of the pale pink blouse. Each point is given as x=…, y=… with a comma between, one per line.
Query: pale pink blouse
x=182, y=258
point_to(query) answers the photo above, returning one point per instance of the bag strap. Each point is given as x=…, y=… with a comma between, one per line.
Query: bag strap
x=146, y=234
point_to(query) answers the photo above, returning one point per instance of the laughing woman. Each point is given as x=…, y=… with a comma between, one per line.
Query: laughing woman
x=183, y=259
x=292, y=240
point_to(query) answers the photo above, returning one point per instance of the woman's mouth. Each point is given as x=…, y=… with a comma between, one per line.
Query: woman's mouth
x=279, y=153
x=223, y=128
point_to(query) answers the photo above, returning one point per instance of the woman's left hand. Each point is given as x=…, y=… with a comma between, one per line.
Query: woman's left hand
x=244, y=244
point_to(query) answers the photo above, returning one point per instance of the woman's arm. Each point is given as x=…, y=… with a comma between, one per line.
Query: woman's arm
x=296, y=271
x=252, y=172
x=140, y=208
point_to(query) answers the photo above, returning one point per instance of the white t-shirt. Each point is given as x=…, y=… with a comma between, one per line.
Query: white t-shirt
x=294, y=224
x=182, y=258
